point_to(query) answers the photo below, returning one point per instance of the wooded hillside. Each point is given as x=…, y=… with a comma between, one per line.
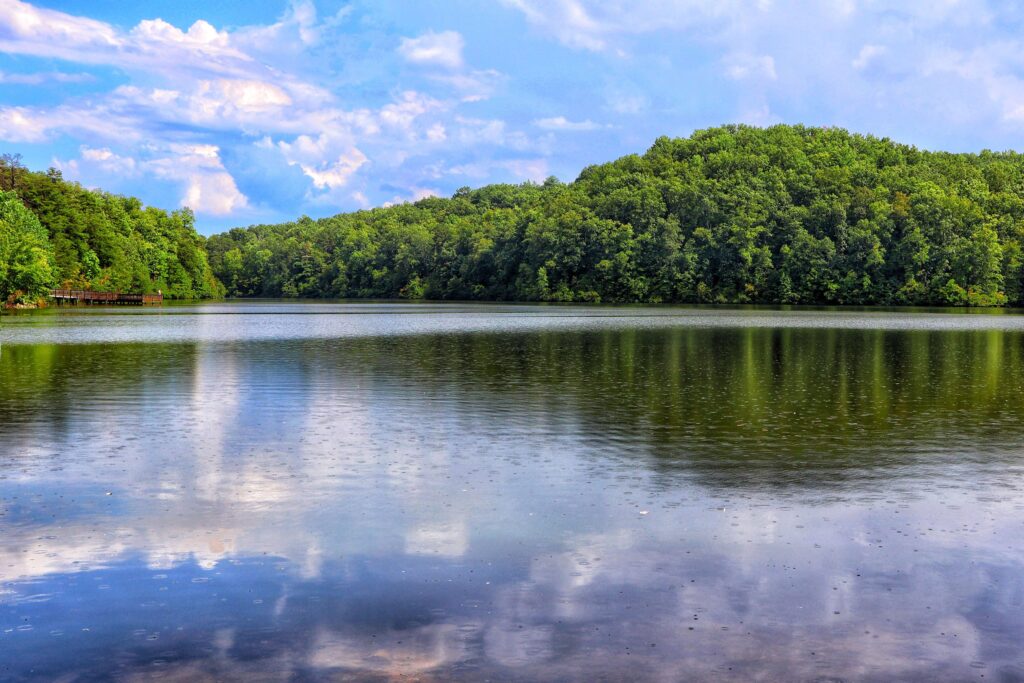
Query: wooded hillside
x=55, y=233
x=787, y=214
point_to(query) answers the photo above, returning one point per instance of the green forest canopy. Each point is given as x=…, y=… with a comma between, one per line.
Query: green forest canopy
x=734, y=214
x=787, y=214
x=58, y=234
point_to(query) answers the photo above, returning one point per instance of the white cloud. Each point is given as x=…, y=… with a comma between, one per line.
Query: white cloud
x=471, y=132
x=152, y=35
x=248, y=95
x=226, y=104
x=439, y=49
x=844, y=8
x=562, y=123
x=445, y=50
x=569, y=20
x=329, y=158
x=28, y=29
x=597, y=25
x=535, y=169
x=743, y=66
x=409, y=106
x=152, y=44
x=299, y=26
x=437, y=133
x=989, y=73
x=109, y=161
x=472, y=86
x=189, y=86
x=17, y=124
x=758, y=116
x=415, y=194
x=419, y=193
x=336, y=173
x=95, y=122
x=206, y=186
x=867, y=54
x=213, y=193
x=953, y=68
x=203, y=83
x=623, y=102
x=528, y=169
x=40, y=77
x=329, y=162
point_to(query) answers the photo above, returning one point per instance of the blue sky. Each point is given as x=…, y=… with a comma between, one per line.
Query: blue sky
x=266, y=110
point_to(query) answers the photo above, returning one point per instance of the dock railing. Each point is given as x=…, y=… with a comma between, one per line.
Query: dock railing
x=84, y=296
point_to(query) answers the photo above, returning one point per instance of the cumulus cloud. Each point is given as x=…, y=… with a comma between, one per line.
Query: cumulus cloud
x=203, y=84
x=189, y=86
x=354, y=118
x=401, y=114
x=213, y=193
x=152, y=44
x=205, y=185
x=300, y=25
x=442, y=49
x=209, y=188
x=328, y=161
x=199, y=103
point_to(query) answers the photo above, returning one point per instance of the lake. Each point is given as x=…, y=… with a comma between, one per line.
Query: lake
x=421, y=492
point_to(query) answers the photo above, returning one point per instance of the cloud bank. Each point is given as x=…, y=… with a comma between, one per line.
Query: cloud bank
x=334, y=106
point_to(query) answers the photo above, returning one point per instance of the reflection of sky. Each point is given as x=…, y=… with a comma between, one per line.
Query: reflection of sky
x=254, y=512
x=241, y=322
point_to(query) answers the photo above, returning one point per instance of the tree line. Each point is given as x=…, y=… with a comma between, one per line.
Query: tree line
x=734, y=214
x=55, y=233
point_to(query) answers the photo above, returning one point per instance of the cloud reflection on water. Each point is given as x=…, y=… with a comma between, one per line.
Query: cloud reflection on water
x=436, y=509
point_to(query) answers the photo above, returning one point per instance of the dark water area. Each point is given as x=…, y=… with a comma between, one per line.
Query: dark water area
x=384, y=492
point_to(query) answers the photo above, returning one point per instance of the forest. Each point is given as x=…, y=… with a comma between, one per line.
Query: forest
x=733, y=214
x=55, y=233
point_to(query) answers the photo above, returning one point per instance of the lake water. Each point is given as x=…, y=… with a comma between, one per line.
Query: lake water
x=384, y=492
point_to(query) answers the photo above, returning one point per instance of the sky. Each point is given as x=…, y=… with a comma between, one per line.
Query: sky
x=263, y=111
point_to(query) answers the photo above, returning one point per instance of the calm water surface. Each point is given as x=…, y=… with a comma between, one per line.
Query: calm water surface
x=350, y=492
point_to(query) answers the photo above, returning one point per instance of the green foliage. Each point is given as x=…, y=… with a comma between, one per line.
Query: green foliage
x=26, y=259
x=83, y=239
x=787, y=214
x=734, y=214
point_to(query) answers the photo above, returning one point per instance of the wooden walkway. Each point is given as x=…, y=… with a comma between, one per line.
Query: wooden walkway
x=83, y=296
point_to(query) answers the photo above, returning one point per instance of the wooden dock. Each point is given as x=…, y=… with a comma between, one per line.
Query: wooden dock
x=86, y=297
